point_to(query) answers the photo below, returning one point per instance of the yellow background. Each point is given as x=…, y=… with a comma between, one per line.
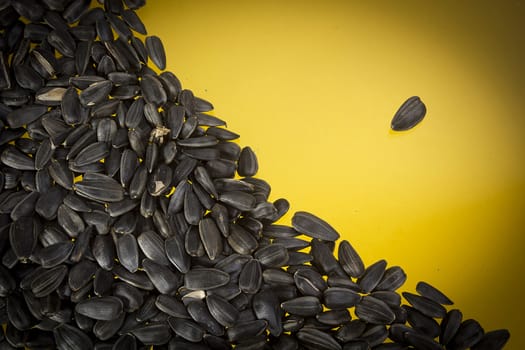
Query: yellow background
x=312, y=86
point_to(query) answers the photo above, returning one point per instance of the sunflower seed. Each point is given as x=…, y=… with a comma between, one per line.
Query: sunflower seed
x=160, y=180
x=70, y=221
x=165, y=280
x=393, y=278
x=316, y=339
x=102, y=282
x=186, y=329
x=81, y=274
x=101, y=308
x=324, y=259
x=273, y=255
x=25, y=207
x=223, y=312
x=372, y=276
x=425, y=306
x=430, y=292
x=95, y=93
x=131, y=297
x=54, y=254
x=411, y=112
x=104, y=330
x=68, y=337
x=246, y=330
x=375, y=311
x=211, y=237
x=309, y=282
x=23, y=237
x=48, y=281
x=313, y=226
x=469, y=333
x=153, y=334
x=153, y=91
x=422, y=323
x=128, y=252
x=100, y=187
x=493, y=340
x=92, y=153
x=303, y=306
x=221, y=134
x=450, y=326
x=133, y=21
x=199, y=313
x=205, y=278
x=156, y=51
x=350, y=260
x=176, y=253
x=250, y=279
x=138, y=279
x=152, y=245
x=103, y=251
x=16, y=159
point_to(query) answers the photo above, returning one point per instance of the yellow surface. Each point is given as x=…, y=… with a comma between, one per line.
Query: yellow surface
x=312, y=86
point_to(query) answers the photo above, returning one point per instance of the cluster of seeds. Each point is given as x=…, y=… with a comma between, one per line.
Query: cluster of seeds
x=129, y=218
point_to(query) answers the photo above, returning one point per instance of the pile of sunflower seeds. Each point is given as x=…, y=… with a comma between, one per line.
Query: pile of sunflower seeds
x=129, y=217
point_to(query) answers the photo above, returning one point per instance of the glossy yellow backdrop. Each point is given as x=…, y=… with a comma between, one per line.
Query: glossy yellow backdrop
x=312, y=86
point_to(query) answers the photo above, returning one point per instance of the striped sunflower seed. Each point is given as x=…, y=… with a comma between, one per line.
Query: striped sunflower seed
x=432, y=293
x=223, y=312
x=164, y=279
x=425, y=306
x=313, y=226
x=316, y=339
x=303, y=306
x=102, y=308
x=373, y=310
x=99, y=187
x=493, y=340
x=372, y=276
x=411, y=113
x=171, y=306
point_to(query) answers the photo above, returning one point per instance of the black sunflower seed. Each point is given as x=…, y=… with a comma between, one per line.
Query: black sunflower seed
x=153, y=333
x=223, y=312
x=100, y=187
x=48, y=281
x=432, y=293
x=23, y=237
x=199, y=313
x=153, y=91
x=316, y=339
x=15, y=159
x=411, y=112
x=152, y=245
x=303, y=306
x=128, y=252
x=100, y=308
x=313, y=226
x=211, y=237
x=163, y=278
x=374, y=310
x=205, y=278
x=92, y=153
x=246, y=330
x=25, y=115
x=156, y=51
x=273, y=255
x=68, y=337
x=493, y=340
x=469, y=333
x=425, y=306
x=176, y=253
x=450, y=325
